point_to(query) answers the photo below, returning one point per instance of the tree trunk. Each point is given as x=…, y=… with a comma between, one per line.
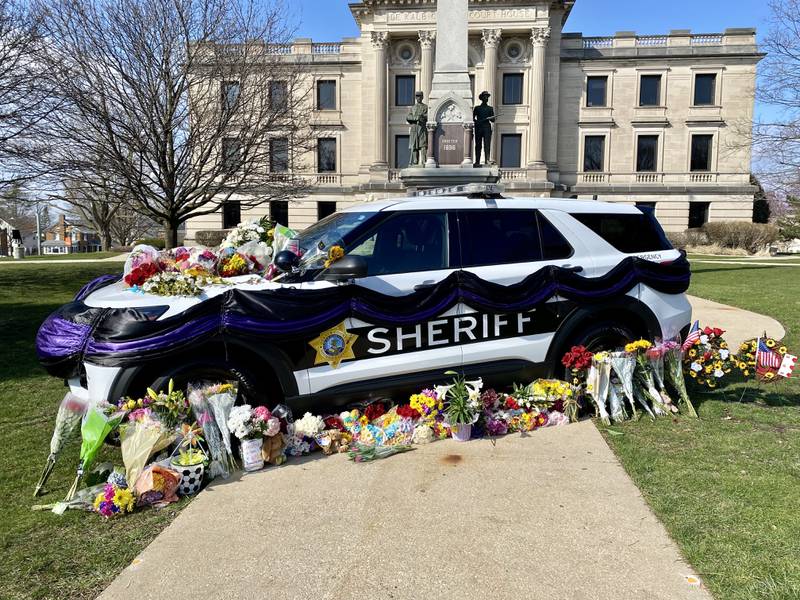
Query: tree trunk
x=105, y=241
x=171, y=234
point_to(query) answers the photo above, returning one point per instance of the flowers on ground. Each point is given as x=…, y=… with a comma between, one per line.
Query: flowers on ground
x=114, y=501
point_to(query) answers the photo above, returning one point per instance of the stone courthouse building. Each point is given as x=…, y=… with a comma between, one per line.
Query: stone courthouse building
x=650, y=119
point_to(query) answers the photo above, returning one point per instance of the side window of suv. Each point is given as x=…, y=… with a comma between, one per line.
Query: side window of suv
x=406, y=243
x=627, y=232
x=507, y=236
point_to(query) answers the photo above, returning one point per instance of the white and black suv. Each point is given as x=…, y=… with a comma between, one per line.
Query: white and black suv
x=497, y=287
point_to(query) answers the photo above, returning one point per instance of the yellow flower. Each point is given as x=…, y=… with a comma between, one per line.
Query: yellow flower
x=770, y=343
x=692, y=353
x=334, y=254
x=124, y=499
x=746, y=373
x=692, y=374
x=769, y=375
x=723, y=344
x=637, y=345
x=782, y=349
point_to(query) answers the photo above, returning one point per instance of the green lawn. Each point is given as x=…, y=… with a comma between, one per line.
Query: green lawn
x=74, y=256
x=43, y=555
x=727, y=486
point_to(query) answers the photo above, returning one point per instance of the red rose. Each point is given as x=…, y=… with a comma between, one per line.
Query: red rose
x=405, y=411
x=707, y=356
x=141, y=274
x=374, y=411
x=718, y=332
x=511, y=403
x=333, y=422
x=708, y=331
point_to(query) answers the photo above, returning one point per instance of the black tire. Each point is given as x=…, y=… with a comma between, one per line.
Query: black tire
x=602, y=335
x=253, y=390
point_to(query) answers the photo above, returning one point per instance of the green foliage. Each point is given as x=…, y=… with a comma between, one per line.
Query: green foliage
x=752, y=237
x=154, y=242
x=458, y=405
x=790, y=224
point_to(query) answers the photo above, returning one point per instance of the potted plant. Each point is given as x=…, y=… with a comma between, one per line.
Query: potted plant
x=191, y=460
x=462, y=405
x=250, y=426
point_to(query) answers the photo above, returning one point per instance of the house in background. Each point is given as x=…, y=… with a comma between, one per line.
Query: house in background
x=9, y=234
x=65, y=238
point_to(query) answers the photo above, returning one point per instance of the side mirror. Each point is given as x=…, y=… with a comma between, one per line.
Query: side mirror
x=347, y=267
x=286, y=261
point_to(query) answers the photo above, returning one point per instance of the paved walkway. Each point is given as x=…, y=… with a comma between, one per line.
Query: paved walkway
x=45, y=261
x=549, y=515
x=739, y=324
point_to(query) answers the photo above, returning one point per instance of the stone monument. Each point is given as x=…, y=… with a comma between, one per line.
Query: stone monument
x=418, y=132
x=483, y=117
x=450, y=111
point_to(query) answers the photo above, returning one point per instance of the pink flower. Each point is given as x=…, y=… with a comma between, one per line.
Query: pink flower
x=262, y=413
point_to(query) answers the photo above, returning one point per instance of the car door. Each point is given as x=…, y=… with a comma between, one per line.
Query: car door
x=405, y=252
x=506, y=245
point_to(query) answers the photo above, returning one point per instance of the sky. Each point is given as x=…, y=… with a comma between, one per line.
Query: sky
x=330, y=20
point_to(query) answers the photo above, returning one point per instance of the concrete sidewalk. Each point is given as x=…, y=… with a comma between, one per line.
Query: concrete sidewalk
x=549, y=515
x=739, y=324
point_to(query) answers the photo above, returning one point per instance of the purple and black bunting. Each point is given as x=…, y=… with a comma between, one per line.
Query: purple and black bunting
x=123, y=337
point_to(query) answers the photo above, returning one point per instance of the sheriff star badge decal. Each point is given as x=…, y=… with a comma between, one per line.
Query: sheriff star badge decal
x=334, y=345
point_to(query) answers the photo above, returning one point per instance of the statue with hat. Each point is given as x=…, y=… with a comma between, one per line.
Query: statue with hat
x=418, y=133
x=483, y=116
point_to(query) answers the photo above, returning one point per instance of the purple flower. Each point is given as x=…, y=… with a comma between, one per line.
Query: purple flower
x=496, y=427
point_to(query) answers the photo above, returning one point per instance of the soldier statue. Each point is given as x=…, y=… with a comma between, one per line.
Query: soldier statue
x=483, y=116
x=418, y=133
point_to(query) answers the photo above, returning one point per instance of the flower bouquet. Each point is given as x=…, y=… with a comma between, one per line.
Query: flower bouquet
x=303, y=434
x=142, y=263
x=745, y=361
x=171, y=407
x=222, y=462
x=95, y=426
x=708, y=360
x=655, y=356
x=673, y=369
x=644, y=384
x=141, y=438
x=428, y=405
x=578, y=360
x=597, y=384
x=157, y=486
x=250, y=425
x=172, y=283
x=69, y=416
x=114, y=501
x=232, y=263
x=623, y=366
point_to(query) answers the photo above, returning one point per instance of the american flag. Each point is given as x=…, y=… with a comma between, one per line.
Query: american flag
x=767, y=358
x=694, y=335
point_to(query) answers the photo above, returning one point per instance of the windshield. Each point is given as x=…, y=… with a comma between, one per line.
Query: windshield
x=313, y=245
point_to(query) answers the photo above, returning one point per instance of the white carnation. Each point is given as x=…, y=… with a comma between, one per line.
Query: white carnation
x=309, y=426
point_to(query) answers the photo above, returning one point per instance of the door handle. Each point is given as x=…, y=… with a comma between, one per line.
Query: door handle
x=573, y=268
x=424, y=286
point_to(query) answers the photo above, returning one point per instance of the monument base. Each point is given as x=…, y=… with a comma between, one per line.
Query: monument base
x=416, y=178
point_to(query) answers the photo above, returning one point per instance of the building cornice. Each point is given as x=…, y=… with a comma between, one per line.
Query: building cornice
x=367, y=7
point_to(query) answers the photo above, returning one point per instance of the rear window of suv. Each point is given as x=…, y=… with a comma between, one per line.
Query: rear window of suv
x=627, y=232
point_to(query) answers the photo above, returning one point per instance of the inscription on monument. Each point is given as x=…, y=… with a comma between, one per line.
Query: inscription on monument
x=449, y=144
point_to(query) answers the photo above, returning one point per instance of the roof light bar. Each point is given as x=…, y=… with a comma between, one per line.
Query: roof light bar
x=466, y=189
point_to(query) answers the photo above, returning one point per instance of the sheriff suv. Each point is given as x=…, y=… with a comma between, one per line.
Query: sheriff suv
x=384, y=297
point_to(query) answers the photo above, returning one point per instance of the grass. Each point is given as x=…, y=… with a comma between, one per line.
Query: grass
x=74, y=256
x=43, y=555
x=726, y=486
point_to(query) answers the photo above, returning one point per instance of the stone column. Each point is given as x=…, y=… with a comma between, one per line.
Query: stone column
x=468, y=162
x=380, y=41
x=491, y=42
x=426, y=72
x=539, y=38
x=430, y=161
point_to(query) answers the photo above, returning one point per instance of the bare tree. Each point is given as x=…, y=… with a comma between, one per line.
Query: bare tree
x=185, y=104
x=131, y=225
x=94, y=204
x=24, y=98
x=776, y=139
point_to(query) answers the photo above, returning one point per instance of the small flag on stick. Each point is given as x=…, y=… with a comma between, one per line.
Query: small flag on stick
x=694, y=335
x=787, y=366
x=766, y=357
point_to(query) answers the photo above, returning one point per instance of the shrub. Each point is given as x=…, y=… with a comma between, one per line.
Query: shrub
x=154, y=242
x=752, y=237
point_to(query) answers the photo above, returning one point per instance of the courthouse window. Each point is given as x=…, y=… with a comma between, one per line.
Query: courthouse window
x=231, y=154
x=512, y=88
x=326, y=155
x=698, y=214
x=646, y=153
x=279, y=155
x=326, y=95
x=324, y=209
x=279, y=211
x=594, y=147
x=705, y=88
x=510, y=150
x=231, y=214
x=230, y=94
x=278, y=93
x=402, y=154
x=596, y=90
x=650, y=90
x=404, y=90
x=701, y=152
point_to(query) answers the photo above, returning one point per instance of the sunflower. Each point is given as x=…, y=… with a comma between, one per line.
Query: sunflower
x=692, y=353
x=692, y=374
x=746, y=373
x=723, y=345
x=770, y=343
x=769, y=375
x=782, y=349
